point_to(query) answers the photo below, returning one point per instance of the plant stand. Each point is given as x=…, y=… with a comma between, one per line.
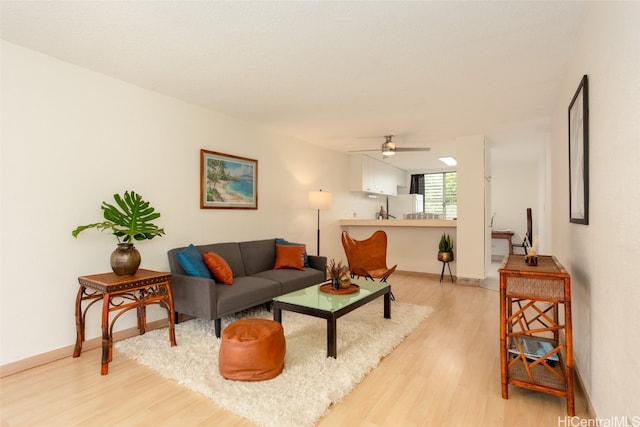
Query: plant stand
x=445, y=257
x=446, y=263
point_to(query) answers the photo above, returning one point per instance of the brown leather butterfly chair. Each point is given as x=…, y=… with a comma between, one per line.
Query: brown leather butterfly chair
x=368, y=258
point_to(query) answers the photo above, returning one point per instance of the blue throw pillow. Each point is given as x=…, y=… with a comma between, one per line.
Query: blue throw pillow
x=191, y=261
x=281, y=241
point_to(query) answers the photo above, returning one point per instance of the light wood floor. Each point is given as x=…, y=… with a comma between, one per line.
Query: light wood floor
x=447, y=373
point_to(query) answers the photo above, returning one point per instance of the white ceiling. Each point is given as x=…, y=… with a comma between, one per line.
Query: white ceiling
x=338, y=74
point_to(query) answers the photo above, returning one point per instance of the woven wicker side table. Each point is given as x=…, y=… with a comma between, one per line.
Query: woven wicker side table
x=536, y=346
x=121, y=294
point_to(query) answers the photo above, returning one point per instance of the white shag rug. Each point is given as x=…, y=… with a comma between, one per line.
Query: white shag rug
x=310, y=382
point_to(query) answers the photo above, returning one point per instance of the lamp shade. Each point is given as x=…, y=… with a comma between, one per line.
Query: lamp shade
x=319, y=200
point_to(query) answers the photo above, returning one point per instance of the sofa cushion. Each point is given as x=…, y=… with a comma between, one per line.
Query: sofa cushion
x=281, y=241
x=288, y=256
x=246, y=292
x=258, y=255
x=293, y=280
x=218, y=267
x=191, y=261
x=230, y=251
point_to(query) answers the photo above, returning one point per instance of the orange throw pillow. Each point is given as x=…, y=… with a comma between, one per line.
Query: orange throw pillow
x=219, y=268
x=289, y=256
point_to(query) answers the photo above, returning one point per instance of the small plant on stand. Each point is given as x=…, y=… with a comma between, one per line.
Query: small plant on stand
x=445, y=248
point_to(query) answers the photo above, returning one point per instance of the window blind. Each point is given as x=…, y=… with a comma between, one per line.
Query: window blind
x=441, y=194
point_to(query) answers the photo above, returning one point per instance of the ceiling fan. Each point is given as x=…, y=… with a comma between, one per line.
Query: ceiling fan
x=389, y=148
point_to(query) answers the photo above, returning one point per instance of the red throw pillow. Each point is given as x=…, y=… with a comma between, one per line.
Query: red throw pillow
x=289, y=256
x=219, y=268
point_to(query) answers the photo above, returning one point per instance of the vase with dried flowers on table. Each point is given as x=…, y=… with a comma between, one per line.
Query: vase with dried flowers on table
x=340, y=282
x=339, y=274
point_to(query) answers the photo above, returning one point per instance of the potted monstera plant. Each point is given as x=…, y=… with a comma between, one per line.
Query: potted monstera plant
x=129, y=219
x=445, y=248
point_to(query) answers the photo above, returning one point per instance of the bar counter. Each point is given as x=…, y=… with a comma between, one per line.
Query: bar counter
x=440, y=223
x=412, y=243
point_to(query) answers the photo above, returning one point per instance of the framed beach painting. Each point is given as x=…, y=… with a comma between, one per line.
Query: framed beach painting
x=579, y=155
x=228, y=182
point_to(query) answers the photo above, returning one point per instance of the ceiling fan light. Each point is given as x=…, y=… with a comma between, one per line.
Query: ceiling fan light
x=388, y=149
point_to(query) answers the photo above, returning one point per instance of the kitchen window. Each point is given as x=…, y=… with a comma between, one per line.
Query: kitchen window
x=440, y=193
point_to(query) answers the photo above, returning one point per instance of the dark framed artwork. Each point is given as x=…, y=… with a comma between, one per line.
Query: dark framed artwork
x=227, y=181
x=579, y=155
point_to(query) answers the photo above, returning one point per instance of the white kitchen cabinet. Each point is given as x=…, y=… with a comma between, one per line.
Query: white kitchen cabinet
x=385, y=179
x=361, y=174
x=372, y=176
x=401, y=177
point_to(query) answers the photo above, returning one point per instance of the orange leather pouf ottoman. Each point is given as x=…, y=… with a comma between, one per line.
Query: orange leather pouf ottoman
x=252, y=350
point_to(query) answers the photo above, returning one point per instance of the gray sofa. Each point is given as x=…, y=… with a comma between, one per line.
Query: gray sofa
x=255, y=281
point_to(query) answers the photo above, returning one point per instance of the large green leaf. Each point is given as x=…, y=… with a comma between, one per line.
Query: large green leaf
x=130, y=219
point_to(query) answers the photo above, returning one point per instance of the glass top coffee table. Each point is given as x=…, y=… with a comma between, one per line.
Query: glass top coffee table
x=313, y=302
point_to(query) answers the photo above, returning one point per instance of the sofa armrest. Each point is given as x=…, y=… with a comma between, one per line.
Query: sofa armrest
x=194, y=296
x=318, y=262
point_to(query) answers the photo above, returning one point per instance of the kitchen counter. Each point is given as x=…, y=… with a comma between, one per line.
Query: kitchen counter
x=440, y=223
x=412, y=243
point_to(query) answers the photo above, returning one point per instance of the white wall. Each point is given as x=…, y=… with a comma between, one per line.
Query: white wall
x=471, y=234
x=71, y=138
x=516, y=187
x=602, y=257
x=471, y=230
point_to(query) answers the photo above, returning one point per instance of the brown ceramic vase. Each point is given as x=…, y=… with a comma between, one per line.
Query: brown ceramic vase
x=125, y=260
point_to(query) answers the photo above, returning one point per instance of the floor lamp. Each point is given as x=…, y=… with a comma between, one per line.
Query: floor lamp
x=319, y=200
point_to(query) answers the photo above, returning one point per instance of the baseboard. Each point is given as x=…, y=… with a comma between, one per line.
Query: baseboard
x=419, y=274
x=584, y=396
x=61, y=353
x=465, y=281
x=426, y=275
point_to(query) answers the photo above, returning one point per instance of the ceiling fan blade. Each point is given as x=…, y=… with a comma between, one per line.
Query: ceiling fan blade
x=413, y=149
x=364, y=151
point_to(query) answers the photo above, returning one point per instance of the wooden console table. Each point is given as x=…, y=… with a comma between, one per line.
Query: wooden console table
x=122, y=293
x=536, y=347
x=506, y=235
